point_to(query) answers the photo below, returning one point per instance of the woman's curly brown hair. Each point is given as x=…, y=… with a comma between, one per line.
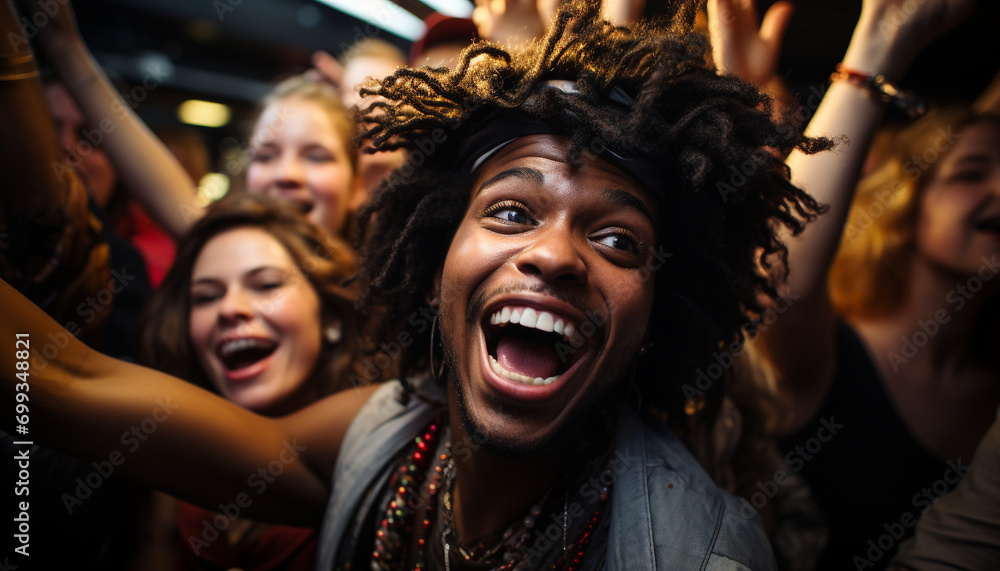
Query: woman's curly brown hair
x=723, y=197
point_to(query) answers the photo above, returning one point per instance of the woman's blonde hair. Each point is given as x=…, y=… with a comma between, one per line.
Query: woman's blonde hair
x=325, y=95
x=869, y=275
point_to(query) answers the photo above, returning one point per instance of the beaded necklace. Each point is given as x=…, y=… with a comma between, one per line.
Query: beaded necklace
x=417, y=483
x=396, y=528
x=511, y=548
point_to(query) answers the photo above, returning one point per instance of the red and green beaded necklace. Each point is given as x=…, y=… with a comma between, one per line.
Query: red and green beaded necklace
x=421, y=475
x=397, y=526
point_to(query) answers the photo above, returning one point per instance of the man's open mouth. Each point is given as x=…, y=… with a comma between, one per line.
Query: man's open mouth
x=531, y=346
x=243, y=352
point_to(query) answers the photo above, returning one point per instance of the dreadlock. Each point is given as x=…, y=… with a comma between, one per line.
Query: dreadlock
x=723, y=195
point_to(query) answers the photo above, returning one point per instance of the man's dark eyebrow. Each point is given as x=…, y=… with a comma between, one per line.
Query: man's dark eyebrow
x=524, y=173
x=622, y=198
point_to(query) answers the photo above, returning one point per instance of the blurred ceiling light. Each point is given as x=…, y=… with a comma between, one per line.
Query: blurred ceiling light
x=212, y=187
x=383, y=14
x=455, y=8
x=203, y=113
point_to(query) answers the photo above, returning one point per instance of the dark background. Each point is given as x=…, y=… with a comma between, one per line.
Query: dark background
x=234, y=58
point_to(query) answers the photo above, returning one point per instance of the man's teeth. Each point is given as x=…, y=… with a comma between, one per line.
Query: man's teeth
x=498, y=369
x=529, y=317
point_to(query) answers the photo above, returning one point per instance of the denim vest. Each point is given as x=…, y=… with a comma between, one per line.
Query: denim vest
x=666, y=513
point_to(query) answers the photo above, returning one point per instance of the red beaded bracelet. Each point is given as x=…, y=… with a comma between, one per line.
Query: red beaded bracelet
x=885, y=90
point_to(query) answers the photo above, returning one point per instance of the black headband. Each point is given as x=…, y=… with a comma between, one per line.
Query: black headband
x=501, y=127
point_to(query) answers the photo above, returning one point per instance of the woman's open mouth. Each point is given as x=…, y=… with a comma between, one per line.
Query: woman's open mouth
x=242, y=354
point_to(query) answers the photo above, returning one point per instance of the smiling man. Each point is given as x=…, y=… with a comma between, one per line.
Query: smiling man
x=563, y=251
x=567, y=230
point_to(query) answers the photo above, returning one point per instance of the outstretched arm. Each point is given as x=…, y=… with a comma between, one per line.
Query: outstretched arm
x=163, y=432
x=150, y=171
x=801, y=341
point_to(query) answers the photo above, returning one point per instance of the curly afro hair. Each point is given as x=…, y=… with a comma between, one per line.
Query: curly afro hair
x=722, y=187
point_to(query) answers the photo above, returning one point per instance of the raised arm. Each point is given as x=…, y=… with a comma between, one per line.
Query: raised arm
x=149, y=170
x=46, y=245
x=163, y=432
x=34, y=184
x=801, y=341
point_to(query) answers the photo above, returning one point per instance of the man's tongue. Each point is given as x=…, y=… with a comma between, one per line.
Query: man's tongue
x=527, y=358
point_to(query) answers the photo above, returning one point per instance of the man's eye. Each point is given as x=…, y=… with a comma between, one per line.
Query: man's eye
x=619, y=240
x=511, y=215
x=509, y=211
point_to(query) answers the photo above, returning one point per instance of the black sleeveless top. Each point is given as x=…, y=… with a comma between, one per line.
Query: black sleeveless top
x=870, y=476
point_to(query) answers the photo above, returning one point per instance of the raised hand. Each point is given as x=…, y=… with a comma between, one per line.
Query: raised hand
x=509, y=21
x=890, y=33
x=326, y=68
x=60, y=22
x=620, y=12
x=738, y=47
